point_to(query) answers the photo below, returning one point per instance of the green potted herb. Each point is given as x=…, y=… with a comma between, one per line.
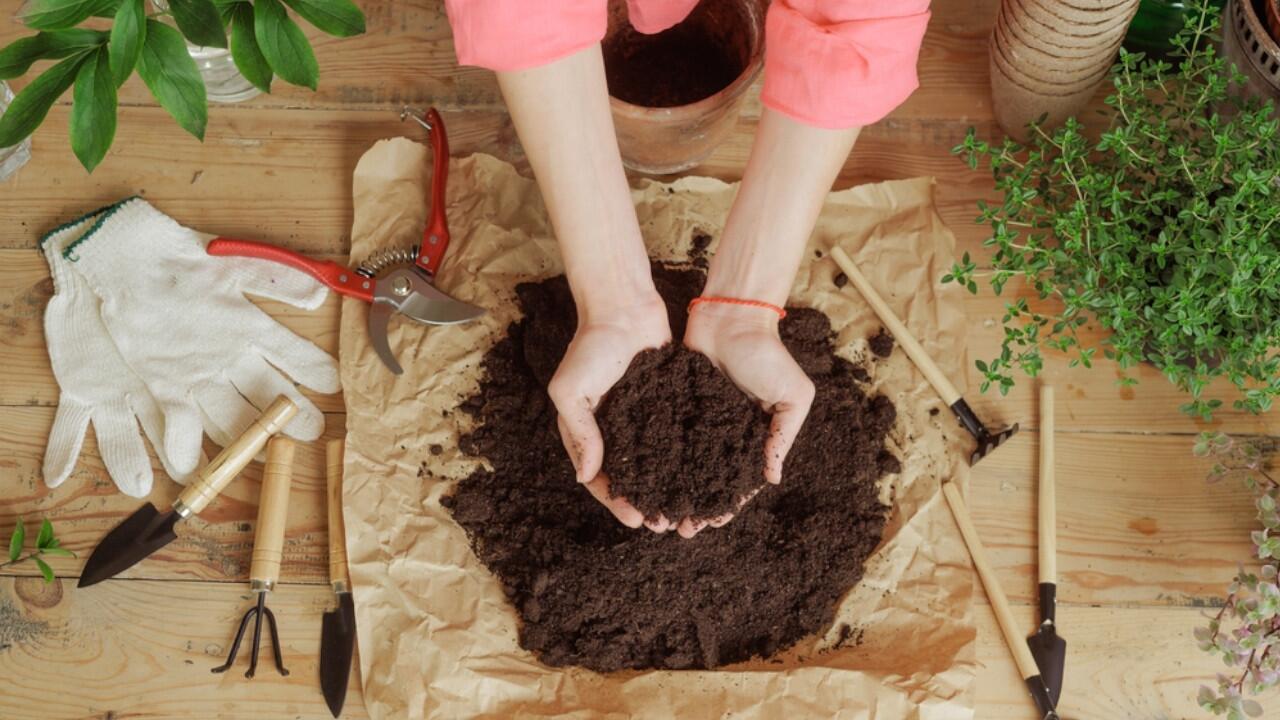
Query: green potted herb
x=1165, y=229
x=263, y=39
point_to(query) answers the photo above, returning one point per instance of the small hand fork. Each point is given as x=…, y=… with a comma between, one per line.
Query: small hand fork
x=268, y=548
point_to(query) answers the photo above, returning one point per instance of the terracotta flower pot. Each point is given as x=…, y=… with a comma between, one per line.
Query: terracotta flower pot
x=1273, y=19
x=654, y=81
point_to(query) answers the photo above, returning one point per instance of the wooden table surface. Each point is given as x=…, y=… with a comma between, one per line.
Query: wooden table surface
x=1145, y=544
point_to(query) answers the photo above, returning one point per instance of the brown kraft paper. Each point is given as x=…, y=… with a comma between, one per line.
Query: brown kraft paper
x=437, y=637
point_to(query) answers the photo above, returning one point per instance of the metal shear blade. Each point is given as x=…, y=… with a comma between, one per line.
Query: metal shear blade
x=408, y=291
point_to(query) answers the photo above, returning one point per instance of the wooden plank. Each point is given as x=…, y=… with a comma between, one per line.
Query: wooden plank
x=1122, y=664
x=216, y=545
x=407, y=56
x=1129, y=532
x=1137, y=520
x=144, y=649
x=304, y=162
x=1090, y=399
x=127, y=649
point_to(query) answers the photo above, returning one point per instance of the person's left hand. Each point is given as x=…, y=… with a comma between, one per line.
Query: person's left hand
x=743, y=343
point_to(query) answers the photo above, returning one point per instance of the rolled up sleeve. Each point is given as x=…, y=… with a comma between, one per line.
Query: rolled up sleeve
x=508, y=35
x=842, y=63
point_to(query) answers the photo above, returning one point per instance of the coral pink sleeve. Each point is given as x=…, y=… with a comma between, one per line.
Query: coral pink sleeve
x=842, y=63
x=506, y=35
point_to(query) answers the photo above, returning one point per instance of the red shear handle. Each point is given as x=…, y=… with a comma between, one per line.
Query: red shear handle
x=436, y=239
x=342, y=279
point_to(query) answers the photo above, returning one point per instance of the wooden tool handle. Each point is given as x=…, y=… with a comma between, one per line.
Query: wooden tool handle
x=1048, y=532
x=914, y=350
x=999, y=603
x=234, y=457
x=339, y=576
x=273, y=510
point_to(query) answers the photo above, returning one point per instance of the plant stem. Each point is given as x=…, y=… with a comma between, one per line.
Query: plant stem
x=35, y=554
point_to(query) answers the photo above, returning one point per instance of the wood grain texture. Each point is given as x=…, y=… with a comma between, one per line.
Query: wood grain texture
x=143, y=649
x=1087, y=400
x=1137, y=523
x=129, y=649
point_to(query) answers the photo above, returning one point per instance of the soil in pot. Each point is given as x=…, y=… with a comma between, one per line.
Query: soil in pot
x=594, y=593
x=693, y=60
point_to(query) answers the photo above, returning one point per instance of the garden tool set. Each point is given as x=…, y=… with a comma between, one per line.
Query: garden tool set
x=338, y=627
x=397, y=281
x=987, y=439
x=268, y=549
x=147, y=529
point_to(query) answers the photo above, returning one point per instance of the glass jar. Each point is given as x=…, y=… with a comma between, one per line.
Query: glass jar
x=1155, y=25
x=15, y=156
x=222, y=79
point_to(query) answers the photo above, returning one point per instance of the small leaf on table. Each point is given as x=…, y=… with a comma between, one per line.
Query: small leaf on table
x=45, y=570
x=45, y=537
x=173, y=78
x=199, y=22
x=59, y=552
x=127, y=35
x=335, y=17
x=30, y=107
x=284, y=44
x=16, y=540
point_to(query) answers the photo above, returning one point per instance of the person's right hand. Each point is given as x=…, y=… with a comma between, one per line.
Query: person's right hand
x=601, y=351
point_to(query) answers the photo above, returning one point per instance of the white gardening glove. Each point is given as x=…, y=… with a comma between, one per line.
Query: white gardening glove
x=95, y=385
x=182, y=322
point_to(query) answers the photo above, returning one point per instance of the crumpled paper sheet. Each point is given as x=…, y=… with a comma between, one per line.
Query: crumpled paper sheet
x=437, y=636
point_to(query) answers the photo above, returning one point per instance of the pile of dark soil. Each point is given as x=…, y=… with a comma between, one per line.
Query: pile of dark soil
x=693, y=60
x=594, y=593
x=680, y=439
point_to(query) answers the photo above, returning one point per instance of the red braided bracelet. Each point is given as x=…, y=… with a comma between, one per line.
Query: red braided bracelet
x=737, y=301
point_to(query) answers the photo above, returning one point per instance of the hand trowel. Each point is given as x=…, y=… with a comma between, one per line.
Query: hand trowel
x=1048, y=649
x=147, y=529
x=338, y=626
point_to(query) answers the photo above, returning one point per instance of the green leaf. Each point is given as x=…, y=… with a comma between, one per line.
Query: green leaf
x=45, y=570
x=59, y=552
x=244, y=48
x=335, y=17
x=16, y=540
x=284, y=45
x=199, y=22
x=30, y=107
x=173, y=78
x=93, y=127
x=127, y=36
x=45, y=536
x=62, y=14
x=17, y=57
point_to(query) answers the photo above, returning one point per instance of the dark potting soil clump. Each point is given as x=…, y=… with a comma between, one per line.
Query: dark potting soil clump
x=594, y=593
x=695, y=59
x=680, y=439
x=881, y=344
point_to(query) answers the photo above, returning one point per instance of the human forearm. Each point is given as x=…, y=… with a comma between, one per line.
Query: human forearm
x=789, y=172
x=561, y=112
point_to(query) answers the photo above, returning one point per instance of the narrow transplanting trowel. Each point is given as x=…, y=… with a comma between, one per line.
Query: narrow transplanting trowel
x=338, y=626
x=147, y=529
x=1049, y=650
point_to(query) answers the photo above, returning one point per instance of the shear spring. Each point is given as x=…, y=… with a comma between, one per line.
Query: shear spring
x=392, y=256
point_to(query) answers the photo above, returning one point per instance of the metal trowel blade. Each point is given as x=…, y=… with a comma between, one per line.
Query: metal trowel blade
x=141, y=534
x=1050, y=652
x=337, y=645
